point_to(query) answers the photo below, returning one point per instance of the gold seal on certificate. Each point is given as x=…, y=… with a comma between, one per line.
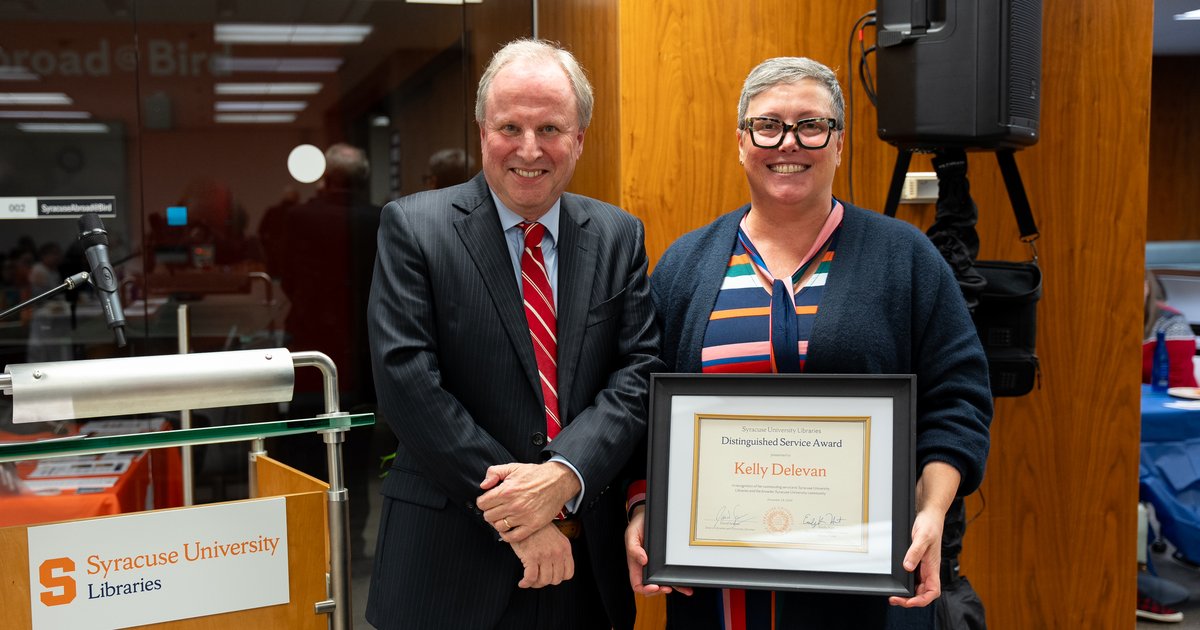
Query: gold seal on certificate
x=780, y=481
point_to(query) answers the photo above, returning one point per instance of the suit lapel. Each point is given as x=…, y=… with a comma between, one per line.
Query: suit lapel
x=576, y=271
x=480, y=232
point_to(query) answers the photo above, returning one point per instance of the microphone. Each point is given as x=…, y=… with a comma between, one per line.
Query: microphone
x=94, y=240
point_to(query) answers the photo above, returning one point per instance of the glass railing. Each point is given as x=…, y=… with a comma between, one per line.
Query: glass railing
x=84, y=445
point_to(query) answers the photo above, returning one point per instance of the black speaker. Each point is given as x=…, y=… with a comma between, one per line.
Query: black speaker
x=959, y=73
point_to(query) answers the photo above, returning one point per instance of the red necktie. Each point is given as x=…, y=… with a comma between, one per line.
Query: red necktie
x=540, y=313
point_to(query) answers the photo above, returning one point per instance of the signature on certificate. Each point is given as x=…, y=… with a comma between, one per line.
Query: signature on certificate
x=728, y=518
x=822, y=521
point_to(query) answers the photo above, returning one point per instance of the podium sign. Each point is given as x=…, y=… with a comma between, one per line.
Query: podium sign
x=151, y=567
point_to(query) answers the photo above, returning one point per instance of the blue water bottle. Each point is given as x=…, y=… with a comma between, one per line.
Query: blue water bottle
x=1161, y=368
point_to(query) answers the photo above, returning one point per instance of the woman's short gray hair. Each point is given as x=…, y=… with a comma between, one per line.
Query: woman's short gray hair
x=537, y=49
x=788, y=70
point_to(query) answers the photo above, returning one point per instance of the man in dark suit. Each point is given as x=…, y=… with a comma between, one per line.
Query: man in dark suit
x=512, y=337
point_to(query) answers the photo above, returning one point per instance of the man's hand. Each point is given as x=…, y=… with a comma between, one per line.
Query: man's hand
x=635, y=557
x=530, y=496
x=546, y=556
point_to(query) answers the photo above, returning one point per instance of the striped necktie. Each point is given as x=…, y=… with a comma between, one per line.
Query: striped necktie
x=540, y=313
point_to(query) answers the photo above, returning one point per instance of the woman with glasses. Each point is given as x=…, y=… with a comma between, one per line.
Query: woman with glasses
x=798, y=281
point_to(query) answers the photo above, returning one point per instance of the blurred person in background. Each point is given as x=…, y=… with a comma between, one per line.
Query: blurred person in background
x=448, y=167
x=44, y=274
x=1181, y=342
x=324, y=251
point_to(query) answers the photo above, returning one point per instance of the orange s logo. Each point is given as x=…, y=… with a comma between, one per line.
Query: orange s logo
x=51, y=581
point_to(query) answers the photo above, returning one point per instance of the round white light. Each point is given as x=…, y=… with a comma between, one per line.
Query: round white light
x=306, y=163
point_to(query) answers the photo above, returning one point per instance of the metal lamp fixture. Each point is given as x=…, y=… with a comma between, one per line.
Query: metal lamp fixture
x=69, y=390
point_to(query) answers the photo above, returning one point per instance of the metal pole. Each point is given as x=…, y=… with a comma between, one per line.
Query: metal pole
x=269, y=301
x=338, y=498
x=67, y=285
x=185, y=415
x=338, y=511
x=258, y=447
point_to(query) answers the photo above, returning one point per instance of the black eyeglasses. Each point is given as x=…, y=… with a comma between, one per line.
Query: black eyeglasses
x=768, y=133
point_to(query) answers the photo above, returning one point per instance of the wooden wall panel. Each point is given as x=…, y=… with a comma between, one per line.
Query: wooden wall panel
x=1055, y=545
x=1174, y=160
x=682, y=67
x=587, y=29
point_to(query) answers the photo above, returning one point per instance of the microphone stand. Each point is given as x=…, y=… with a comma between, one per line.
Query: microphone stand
x=67, y=285
x=56, y=427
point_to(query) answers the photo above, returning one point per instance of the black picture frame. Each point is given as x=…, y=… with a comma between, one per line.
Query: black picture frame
x=665, y=388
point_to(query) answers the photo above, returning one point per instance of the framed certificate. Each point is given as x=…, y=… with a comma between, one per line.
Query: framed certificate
x=781, y=481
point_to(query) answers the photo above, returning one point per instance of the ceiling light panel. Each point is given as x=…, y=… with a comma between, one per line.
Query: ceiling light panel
x=266, y=89
x=314, y=65
x=292, y=34
x=34, y=98
x=46, y=115
x=63, y=127
x=17, y=73
x=255, y=118
x=261, y=106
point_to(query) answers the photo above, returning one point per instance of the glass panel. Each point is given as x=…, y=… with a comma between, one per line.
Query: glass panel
x=85, y=476
x=84, y=445
x=194, y=107
x=68, y=142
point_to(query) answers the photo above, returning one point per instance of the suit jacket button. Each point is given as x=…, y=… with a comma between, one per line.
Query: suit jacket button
x=538, y=439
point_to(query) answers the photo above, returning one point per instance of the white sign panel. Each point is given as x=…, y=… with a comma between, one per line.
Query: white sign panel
x=18, y=208
x=61, y=207
x=152, y=567
x=107, y=464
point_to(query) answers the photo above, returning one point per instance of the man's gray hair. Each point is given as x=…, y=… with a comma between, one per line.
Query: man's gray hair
x=538, y=50
x=788, y=70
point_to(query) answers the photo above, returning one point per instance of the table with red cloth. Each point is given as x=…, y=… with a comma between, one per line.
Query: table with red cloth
x=153, y=477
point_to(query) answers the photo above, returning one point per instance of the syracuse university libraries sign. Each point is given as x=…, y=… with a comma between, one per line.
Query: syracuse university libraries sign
x=151, y=567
